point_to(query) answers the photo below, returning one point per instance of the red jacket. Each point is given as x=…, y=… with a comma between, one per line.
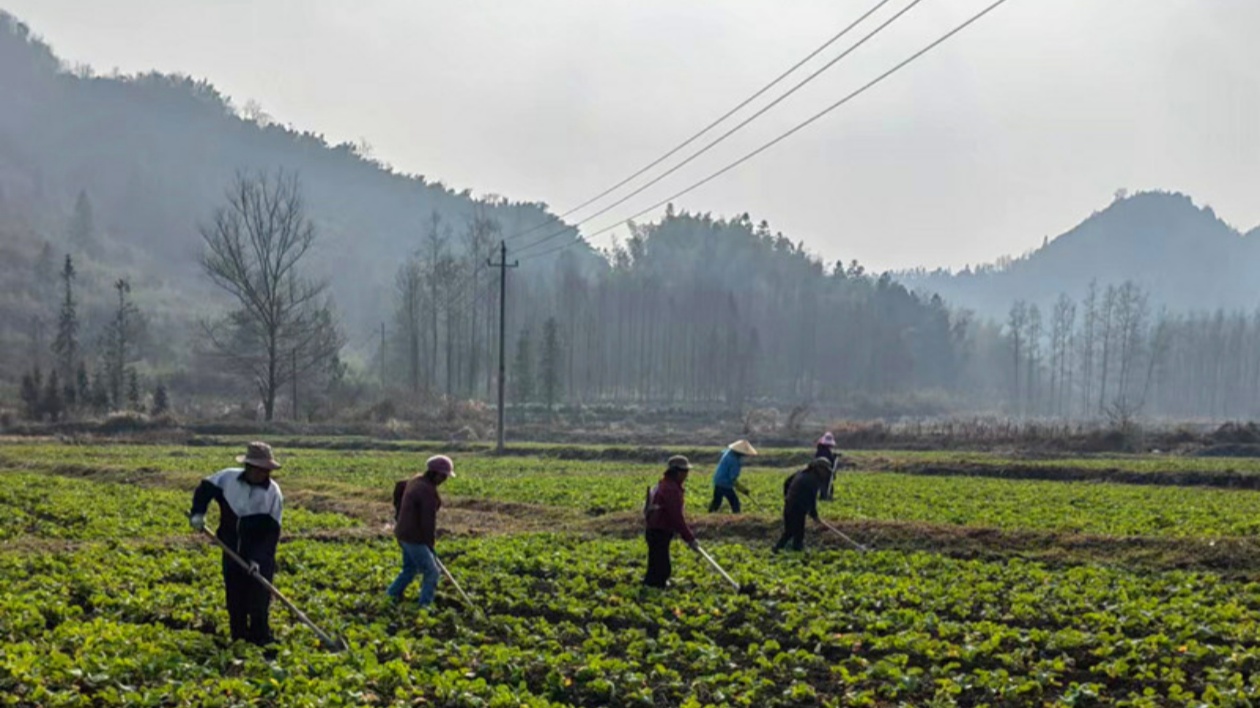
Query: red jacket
x=664, y=509
x=417, y=504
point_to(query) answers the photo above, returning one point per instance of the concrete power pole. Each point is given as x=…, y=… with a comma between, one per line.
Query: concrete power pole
x=502, y=265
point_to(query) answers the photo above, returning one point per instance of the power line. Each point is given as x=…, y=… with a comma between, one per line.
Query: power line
x=762, y=111
x=760, y=92
x=800, y=126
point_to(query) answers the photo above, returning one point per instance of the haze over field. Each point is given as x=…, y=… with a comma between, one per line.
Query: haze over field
x=122, y=191
x=1016, y=131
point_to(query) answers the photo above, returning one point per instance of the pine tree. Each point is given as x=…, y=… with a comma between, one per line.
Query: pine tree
x=523, y=369
x=66, y=345
x=161, y=401
x=133, y=391
x=83, y=386
x=120, y=338
x=52, y=404
x=31, y=393
x=100, y=393
x=551, y=364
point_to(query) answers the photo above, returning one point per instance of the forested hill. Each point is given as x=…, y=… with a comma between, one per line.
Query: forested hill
x=148, y=157
x=1183, y=255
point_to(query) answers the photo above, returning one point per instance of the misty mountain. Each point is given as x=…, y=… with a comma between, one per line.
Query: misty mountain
x=138, y=161
x=1183, y=255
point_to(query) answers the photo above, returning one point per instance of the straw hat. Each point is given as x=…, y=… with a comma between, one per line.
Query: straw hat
x=743, y=447
x=259, y=454
x=678, y=462
x=442, y=464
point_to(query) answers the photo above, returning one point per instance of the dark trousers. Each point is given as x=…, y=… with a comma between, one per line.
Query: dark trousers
x=794, y=531
x=658, y=566
x=248, y=603
x=727, y=493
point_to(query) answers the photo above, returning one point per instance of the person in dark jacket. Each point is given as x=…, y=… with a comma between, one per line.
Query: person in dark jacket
x=416, y=504
x=663, y=514
x=250, y=507
x=826, y=449
x=801, y=500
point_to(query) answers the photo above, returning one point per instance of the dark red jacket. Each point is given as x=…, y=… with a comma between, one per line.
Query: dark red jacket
x=664, y=509
x=417, y=504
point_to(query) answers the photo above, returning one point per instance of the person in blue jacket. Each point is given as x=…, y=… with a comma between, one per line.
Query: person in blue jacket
x=726, y=477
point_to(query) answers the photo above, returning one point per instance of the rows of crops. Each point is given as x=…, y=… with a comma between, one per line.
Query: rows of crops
x=569, y=624
x=140, y=620
x=598, y=487
x=50, y=507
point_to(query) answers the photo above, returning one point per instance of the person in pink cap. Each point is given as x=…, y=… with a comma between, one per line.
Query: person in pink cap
x=416, y=504
x=827, y=450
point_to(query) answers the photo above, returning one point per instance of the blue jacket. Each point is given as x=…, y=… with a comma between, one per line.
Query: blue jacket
x=728, y=469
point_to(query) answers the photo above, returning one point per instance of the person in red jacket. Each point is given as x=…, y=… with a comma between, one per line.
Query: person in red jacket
x=416, y=504
x=664, y=516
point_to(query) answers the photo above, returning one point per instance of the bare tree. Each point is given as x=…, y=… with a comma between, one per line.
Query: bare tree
x=1016, y=321
x=283, y=327
x=409, y=306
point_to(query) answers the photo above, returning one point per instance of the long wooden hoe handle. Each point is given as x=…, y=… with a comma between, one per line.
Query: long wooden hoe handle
x=841, y=534
x=324, y=637
x=447, y=573
x=717, y=567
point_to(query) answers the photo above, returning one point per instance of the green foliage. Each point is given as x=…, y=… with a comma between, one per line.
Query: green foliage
x=42, y=506
x=569, y=624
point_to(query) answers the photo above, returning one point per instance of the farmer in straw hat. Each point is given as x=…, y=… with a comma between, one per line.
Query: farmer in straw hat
x=726, y=477
x=663, y=514
x=416, y=504
x=250, y=505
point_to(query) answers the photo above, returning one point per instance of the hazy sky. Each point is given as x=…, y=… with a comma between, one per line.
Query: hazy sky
x=1018, y=128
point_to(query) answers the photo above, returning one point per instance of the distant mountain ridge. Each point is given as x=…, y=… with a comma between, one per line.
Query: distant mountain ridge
x=1184, y=255
x=152, y=154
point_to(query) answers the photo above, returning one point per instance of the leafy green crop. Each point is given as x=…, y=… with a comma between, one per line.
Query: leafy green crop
x=599, y=487
x=568, y=624
x=51, y=507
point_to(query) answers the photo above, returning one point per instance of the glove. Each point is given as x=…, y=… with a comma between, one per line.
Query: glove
x=253, y=568
x=198, y=522
x=742, y=489
x=694, y=545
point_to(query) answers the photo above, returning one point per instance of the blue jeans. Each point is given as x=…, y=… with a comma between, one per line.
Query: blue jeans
x=416, y=558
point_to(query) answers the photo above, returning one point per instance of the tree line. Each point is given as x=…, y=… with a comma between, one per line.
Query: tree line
x=691, y=312
x=1110, y=356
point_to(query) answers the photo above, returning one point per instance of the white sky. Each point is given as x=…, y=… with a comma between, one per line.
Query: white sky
x=1017, y=129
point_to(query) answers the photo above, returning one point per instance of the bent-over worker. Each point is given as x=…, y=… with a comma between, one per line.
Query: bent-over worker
x=801, y=500
x=250, y=507
x=416, y=504
x=663, y=514
x=726, y=476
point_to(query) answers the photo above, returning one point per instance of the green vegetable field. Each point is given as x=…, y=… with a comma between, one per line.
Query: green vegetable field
x=106, y=597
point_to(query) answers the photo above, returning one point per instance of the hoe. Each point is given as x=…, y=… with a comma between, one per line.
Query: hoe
x=749, y=589
x=842, y=534
x=467, y=600
x=329, y=642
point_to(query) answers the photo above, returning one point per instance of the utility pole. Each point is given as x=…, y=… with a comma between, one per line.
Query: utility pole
x=502, y=265
x=295, y=405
